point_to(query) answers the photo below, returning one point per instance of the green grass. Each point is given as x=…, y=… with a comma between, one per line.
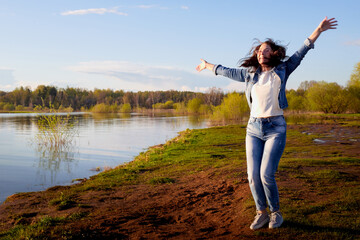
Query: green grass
x=39, y=230
x=161, y=180
x=63, y=202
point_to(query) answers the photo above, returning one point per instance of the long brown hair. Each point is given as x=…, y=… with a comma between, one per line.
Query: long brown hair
x=278, y=54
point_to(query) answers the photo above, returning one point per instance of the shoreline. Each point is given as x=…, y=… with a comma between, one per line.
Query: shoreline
x=118, y=147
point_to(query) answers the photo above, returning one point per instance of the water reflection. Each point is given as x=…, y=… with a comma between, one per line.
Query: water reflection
x=50, y=160
x=104, y=140
x=196, y=120
x=21, y=123
x=102, y=116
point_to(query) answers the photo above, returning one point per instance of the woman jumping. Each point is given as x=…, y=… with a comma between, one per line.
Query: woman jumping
x=265, y=75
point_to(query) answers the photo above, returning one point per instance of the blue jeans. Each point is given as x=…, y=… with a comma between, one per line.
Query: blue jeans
x=265, y=143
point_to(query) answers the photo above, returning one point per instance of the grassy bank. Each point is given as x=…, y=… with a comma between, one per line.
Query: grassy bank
x=202, y=176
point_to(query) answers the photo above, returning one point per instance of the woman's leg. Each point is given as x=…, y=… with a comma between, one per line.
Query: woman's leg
x=275, y=139
x=273, y=149
x=254, y=155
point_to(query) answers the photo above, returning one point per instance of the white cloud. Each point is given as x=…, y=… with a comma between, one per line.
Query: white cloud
x=7, y=78
x=353, y=43
x=145, y=6
x=138, y=77
x=6, y=68
x=99, y=11
x=133, y=75
x=201, y=89
x=7, y=87
x=152, y=6
x=185, y=88
x=128, y=71
x=114, y=10
x=234, y=86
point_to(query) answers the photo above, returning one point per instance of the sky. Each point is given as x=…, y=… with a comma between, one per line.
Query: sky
x=151, y=45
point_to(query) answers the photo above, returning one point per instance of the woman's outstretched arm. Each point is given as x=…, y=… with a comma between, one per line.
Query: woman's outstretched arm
x=325, y=24
x=237, y=74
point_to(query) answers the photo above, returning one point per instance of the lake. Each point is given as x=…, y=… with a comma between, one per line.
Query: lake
x=102, y=141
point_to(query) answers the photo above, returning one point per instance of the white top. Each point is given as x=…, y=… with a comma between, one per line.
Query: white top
x=265, y=96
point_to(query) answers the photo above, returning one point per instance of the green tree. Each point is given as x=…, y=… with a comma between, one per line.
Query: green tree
x=296, y=101
x=233, y=107
x=180, y=107
x=193, y=105
x=126, y=108
x=101, y=108
x=355, y=77
x=43, y=95
x=304, y=86
x=328, y=97
x=353, y=86
x=169, y=104
x=9, y=107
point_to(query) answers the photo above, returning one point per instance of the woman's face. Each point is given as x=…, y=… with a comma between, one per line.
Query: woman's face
x=264, y=54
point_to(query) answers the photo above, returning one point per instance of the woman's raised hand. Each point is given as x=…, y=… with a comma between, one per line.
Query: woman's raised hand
x=327, y=24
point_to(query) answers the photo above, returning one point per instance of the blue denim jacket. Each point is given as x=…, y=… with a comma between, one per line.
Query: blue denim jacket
x=282, y=71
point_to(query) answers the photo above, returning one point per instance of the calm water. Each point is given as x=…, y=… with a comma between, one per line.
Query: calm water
x=102, y=141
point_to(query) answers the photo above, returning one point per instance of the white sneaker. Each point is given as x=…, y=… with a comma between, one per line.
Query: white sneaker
x=276, y=220
x=260, y=220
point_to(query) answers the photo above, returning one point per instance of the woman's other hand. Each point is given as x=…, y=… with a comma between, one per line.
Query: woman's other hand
x=204, y=64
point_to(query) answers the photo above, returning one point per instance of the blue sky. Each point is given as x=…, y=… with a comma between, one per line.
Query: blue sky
x=156, y=45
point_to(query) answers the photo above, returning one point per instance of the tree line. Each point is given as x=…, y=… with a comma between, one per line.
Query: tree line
x=78, y=99
x=310, y=96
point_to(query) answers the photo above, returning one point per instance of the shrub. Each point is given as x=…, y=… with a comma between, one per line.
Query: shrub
x=63, y=109
x=166, y=105
x=354, y=94
x=9, y=107
x=114, y=108
x=180, y=108
x=38, y=108
x=169, y=105
x=126, y=108
x=158, y=106
x=19, y=108
x=353, y=87
x=101, y=108
x=233, y=107
x=205, y=109
x=193, y=105
x=296, y=102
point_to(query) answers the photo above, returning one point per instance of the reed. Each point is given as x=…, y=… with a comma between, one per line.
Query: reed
x=56, y=129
